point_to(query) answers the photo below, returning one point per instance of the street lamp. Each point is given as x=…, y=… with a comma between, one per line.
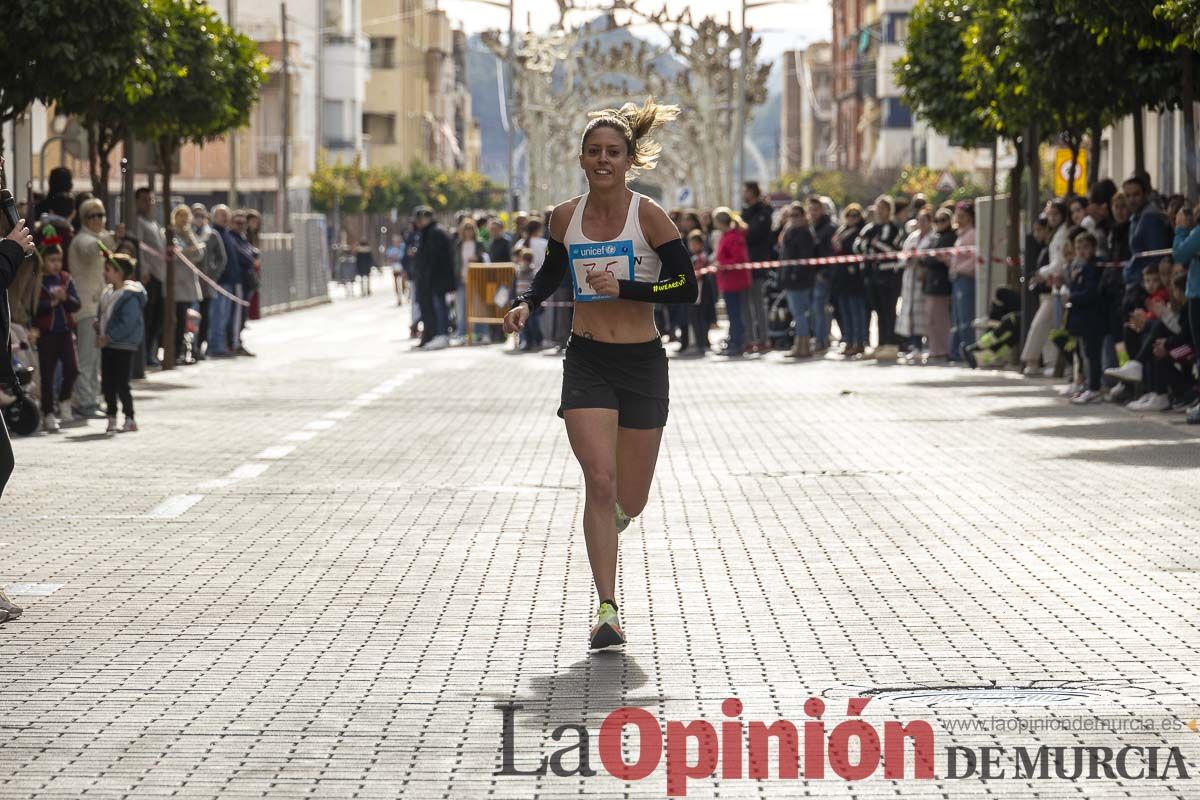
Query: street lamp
x=508, y=94
x=740, y=136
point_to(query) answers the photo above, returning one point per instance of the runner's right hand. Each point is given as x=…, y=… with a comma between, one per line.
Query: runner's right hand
x=516, y=318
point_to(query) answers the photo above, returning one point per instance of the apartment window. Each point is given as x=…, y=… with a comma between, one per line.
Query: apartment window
x=380, y=127
x=333, y=123
x=383, y=52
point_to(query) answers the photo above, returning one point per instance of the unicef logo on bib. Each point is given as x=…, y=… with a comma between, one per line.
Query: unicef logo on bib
x=615, y=258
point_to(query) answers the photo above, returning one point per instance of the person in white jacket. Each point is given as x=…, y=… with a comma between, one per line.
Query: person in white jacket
x=1054, y=275
x=86, y=256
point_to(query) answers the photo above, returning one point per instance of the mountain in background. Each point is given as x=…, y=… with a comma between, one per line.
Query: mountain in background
x=485, y=88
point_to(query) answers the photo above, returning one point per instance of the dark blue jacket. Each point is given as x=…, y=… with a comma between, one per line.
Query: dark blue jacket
x=1148, y=230
x=1088, y=314
x=232, y=275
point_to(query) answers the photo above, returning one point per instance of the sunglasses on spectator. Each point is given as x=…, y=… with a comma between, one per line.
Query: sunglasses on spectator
x=94, y=215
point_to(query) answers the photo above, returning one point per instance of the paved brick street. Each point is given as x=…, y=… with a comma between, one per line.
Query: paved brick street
x=316, y=573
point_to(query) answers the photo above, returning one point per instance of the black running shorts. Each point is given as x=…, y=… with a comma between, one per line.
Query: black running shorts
x=630, y=378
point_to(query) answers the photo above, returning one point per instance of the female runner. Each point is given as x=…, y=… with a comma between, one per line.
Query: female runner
x=623, y=254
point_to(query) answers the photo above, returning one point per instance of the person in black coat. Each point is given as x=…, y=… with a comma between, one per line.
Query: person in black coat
x=13, y=249
x=1086, y=315
x=797, y=280
x=757, y=216
x=500, y=248
x=434, y=267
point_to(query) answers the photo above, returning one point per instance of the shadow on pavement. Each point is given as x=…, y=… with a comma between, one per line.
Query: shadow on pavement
x=1117, y=430
x=582, y=694
x=159, y=386
x=88, y=437
x=1042, y=410
x=1175, y=455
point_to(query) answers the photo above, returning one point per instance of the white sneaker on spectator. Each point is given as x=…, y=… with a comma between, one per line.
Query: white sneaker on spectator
x=112, y=428
x=1071, y=389
x=1151, y=402
x=1131, y=372
x=1088, y=396
x=50, y=423
x=1048, y=372
x=1118, y=393
x=438, y=343
x=457, y=341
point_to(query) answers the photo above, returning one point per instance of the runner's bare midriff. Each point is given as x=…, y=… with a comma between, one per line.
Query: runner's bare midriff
x=615, y=321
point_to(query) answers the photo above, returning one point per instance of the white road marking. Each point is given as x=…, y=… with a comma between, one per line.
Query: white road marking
x=340, y=413
x=320, y=425
x=33, y=589
x=174, y=506
x=251, y=470
x=300, y=436
x=278, y=451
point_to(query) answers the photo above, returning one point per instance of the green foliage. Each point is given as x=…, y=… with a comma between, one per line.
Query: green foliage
x=1184, y=18
x=840, y=187
x=924, y=180
x=931, y=73
x=381, y=189
x=206, y=77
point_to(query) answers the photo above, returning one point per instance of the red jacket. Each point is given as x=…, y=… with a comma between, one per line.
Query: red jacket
x=732, y=250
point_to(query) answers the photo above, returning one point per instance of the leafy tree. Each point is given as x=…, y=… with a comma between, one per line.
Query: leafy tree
x=206, y=79
x=81, y=57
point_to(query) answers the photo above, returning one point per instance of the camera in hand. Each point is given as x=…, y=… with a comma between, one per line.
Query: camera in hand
x=8, y=211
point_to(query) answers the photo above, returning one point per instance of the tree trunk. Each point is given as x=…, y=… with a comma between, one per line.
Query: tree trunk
x=1093, y=170
x=1188, y=92
x=168, y=326
x=1033, y=200
x=1139, y=143
x=93, y=136
x=1074, y=170
x=1013, y=262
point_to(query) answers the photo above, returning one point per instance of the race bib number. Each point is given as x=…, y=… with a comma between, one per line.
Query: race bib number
x=612, y=257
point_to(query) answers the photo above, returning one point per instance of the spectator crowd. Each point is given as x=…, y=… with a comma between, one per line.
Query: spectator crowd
x=1111, y=293
x=89, y=315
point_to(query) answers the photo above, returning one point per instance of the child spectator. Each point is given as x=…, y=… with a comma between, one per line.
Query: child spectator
x=531, y=336
x=697, y=314
x=1140, y=304
x=1166, y=354
x=120, y=323
x=57, y=303
x=1086, y=319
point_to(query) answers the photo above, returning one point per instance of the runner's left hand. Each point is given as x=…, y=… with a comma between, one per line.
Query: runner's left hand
x=604, y=283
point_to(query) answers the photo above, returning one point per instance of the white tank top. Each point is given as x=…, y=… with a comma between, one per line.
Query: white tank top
x=646, y=263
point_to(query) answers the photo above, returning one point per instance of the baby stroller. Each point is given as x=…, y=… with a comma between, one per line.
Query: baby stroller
x=17, y=400
x=779, y=314
x=1003, y=329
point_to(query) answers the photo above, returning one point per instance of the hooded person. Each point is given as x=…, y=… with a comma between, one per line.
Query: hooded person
x=58, y=201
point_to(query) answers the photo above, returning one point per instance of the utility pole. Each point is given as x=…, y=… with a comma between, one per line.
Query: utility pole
x=508, y=102
x=281, y=208
x=739, y=137
x=231, y=13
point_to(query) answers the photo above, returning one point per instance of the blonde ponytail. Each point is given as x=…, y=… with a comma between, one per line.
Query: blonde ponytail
x=635, y=124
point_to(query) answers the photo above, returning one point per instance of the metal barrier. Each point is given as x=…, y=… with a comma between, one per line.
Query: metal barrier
x=483, y=281
x=295, y=266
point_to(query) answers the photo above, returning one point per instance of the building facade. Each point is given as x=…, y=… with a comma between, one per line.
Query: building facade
x=417, y=106
x=807, y=109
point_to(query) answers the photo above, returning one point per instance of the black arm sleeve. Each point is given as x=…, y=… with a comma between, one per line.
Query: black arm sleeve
x=677, y=279
x=547, y=279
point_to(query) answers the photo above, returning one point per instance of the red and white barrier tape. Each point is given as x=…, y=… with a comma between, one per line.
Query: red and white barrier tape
x=896, y=256
x=215, y=286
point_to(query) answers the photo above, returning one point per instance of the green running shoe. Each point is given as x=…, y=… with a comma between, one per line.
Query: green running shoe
x=623, y=519
x=607, y=630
